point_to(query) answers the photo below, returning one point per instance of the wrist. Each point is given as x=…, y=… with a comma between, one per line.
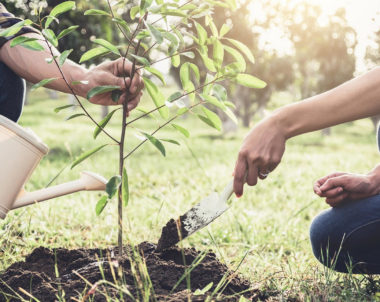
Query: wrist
x=80, y=76
x=374, y=179
x=285, y=121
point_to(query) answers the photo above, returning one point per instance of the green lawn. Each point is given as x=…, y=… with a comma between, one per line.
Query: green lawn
x=270, y=223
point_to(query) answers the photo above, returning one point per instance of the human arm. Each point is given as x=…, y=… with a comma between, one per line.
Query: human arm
x=338, y=188
x=32, y=66
x=263, y=147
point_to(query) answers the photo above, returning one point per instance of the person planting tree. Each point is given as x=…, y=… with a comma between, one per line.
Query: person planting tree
x=346, y=236
x=19, y=62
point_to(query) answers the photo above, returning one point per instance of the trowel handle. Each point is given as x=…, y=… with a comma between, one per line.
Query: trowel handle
x=228, y=190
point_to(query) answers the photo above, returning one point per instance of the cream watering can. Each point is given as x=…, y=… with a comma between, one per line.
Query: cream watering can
x=20, y=152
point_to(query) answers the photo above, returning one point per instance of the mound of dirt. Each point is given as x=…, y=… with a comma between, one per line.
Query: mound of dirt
x=93, y=274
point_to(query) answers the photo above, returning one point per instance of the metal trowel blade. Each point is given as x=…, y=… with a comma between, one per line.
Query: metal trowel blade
x=196, y=218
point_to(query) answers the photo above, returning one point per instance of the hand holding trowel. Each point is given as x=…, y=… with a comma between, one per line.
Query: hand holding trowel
x=196, y=218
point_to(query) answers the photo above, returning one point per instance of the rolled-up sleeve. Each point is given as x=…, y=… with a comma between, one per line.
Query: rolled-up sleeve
x=7, y=20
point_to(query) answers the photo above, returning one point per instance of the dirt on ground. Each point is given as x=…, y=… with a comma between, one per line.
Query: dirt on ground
x=173, y=274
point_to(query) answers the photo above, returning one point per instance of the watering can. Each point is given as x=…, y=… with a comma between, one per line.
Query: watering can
x=20, y=152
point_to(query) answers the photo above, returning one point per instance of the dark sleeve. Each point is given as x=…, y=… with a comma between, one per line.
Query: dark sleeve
x=7, y=20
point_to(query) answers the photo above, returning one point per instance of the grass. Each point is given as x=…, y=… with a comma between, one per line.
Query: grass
x=268, y=226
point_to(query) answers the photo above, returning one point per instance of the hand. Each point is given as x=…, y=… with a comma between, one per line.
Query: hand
x=111, y=73
x=260, y=153
x=339, y=187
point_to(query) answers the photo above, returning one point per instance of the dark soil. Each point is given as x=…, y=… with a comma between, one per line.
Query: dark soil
x=173, y=232
x=46, y=274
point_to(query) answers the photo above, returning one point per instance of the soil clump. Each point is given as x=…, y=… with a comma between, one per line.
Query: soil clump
x=94, y=274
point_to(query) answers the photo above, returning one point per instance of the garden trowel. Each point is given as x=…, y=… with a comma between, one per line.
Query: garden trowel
x=196, y=218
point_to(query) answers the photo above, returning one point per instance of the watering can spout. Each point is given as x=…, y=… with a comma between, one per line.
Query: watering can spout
x=87, y=182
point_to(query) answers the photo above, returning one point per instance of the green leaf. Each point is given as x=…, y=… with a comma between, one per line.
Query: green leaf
x=26, y=42
x=42, y=83
x=14, y=29
x=172, y=141
x=212, y=26
x=58, y=109
x=144, y=4
x=214, y=101
x=174, y=13
x=101, y=89
x=157, y=97
x=93, y=53
x=112, y=185
x=125, y=188
x=86, y=155
x=238, y=57
x=75, y=116
x=133, y=12
x=250, y=81
x=122, y=23
x=243, y=48
x=179, y=128
x=96, y=12
x=176, y=60
x=142, y=60
x=211, y=118
x=101, y=204
x=157, y=73
x=207, y=61
x=107, y=45
x=195, y=70
x=231, y=115
x=175, y=96
x=182, y=111
x=184, y=74
x=225, y=29
x=60, y=9
x=62, y=58
x=174, y=43
x=103, y=123
x=155, y=142
x=202, y=33
x=220, y=92
x=67, y=31
x=50, y=36
x=218, y=53
x=155, y=33
x=21, y=39
x=115, y=95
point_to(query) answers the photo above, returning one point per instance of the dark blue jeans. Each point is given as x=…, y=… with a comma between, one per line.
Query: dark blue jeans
x=12, y=93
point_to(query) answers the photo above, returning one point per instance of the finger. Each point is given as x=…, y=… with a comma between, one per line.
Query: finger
x=136, y=83
x=316, y=188
x=334, y=202
x=252, y=173
x=334, y=192
x=322, y=180
x=123, y=67
x=240, y=170
x=333, y=183
x=133, y=103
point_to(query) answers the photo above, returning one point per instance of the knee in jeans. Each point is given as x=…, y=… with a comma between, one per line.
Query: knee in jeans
x=326, y=243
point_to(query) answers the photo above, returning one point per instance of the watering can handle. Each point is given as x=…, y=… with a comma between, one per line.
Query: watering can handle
x=87, y=182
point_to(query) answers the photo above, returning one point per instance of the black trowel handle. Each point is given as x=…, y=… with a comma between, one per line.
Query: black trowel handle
x=227, y=192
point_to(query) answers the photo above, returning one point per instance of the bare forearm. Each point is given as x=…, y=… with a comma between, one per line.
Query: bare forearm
x=356, y=99
x=33, y=66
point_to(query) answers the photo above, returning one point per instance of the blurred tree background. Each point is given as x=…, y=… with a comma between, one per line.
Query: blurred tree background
x=298, y=47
